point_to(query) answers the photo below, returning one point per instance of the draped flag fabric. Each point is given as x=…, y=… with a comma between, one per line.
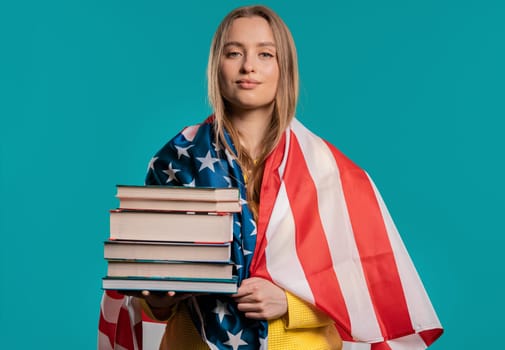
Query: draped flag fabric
x=120, y=325
x=323, y=233
x=194, y=158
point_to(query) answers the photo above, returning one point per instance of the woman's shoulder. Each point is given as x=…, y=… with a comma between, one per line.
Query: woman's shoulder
x=188, y=136
x=181, y=159
x=190, y=132
x=315, y=146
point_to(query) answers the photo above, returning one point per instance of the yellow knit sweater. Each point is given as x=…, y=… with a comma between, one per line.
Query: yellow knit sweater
x=303, y=327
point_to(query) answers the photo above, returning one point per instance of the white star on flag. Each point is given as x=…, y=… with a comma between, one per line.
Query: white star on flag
x=170, y=172
x=207, y=162
x=182, y=151
x=228, y=180
x=263, y=343
x=235, y=340
x=151, y=163
x=190, y=184
x=253, y=233
x=242, y=201
x=247, y=252
x=221, y=310
x=216, y=146
x=230, y=157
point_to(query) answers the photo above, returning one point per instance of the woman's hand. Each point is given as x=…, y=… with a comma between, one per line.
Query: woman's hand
x=260, y=299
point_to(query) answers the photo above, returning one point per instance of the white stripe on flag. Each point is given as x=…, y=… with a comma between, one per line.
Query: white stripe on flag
x=132, y=305
x=152, y=332
x=409, y=342
x=347, y=345
x=103, y=341
x=334, y=214
x=421, y=311
x=190, y=132
x=282, y=166
x=281, y=257
x=110, y=308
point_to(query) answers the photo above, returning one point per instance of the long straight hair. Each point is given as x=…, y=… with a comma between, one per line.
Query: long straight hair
x=285, y=99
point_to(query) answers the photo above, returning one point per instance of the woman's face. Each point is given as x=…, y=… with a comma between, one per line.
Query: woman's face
x=249, y=72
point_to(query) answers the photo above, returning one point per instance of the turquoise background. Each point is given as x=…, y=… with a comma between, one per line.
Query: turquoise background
x=413, y=91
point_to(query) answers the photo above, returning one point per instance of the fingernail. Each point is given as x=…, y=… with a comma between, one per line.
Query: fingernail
x=145, y=293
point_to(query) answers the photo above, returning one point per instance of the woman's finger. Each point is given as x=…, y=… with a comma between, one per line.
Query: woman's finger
x=247, y=307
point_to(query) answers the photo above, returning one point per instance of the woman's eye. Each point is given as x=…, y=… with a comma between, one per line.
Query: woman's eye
x=266, y=55
x=232, y=54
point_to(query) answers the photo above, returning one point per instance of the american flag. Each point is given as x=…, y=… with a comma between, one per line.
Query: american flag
x=194, y=158
x=323, y=233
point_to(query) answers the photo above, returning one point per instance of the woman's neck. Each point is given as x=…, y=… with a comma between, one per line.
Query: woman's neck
x=252, y=126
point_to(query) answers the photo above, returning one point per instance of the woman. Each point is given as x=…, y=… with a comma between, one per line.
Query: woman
x=315, y=248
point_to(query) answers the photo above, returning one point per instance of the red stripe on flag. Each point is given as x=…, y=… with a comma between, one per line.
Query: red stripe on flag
x=124, y=336
x=107, y=328
x=375, y=250
x=311, y=243
x=137, y=328
x=114, y=294
x=344, y=333
x=430, y=335
x=269, y=189
x=380, y=346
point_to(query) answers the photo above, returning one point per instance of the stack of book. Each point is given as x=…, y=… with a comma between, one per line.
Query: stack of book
x=172, y=239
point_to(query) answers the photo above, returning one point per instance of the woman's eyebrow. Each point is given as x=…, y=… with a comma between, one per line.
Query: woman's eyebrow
x=233, y=43
x=266, y=43
x=239, y=44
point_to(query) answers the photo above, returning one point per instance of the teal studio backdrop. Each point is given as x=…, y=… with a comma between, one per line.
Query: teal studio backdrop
x=413, y=91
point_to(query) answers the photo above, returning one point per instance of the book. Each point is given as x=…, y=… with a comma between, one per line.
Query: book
x=150, y=250
x=171, y=226
x=179, y=205
x=179, y=193
x=198, y=285
x=165, y=268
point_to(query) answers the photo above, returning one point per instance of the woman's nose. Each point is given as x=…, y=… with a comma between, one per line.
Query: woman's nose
x=247, y=64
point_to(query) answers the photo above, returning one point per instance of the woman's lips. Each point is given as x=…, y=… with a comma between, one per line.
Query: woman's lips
x=247, y=83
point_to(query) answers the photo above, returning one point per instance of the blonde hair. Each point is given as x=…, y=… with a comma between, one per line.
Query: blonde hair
x=285, y=100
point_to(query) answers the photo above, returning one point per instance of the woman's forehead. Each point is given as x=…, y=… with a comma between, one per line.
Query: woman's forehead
x=250, y=30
